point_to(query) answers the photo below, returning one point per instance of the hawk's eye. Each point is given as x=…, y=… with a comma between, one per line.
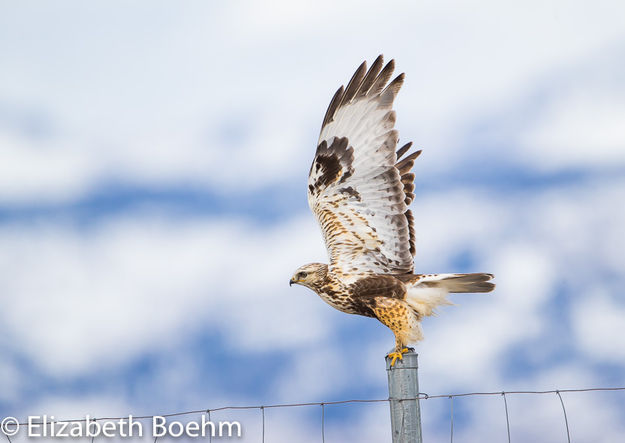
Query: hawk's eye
x=302, y=275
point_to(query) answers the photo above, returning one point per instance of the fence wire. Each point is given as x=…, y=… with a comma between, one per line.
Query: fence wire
x=505, y=403
x=566, y=420
x=324, y=404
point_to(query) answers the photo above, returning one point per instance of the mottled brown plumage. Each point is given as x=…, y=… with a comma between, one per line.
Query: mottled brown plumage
x=359, y=189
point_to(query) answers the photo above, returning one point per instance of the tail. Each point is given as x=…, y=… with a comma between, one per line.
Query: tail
x=427, y=292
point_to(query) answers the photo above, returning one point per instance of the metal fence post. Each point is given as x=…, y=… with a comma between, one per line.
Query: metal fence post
x=403, y=383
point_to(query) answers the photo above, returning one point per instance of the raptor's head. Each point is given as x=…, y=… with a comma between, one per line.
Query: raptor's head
x=311, y=275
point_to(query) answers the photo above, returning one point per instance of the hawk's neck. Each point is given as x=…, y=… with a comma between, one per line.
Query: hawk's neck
x=332, y=283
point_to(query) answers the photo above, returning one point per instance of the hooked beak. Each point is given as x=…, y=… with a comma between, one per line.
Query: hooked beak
x=291, y=282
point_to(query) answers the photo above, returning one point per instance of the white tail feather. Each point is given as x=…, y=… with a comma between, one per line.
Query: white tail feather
x=430, y=291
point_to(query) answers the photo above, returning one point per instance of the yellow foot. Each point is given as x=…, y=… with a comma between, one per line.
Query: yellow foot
x=397, y=355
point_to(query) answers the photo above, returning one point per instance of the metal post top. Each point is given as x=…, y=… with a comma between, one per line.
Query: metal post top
x=410, y=361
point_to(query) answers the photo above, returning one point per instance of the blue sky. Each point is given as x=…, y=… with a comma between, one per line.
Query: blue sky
x=154, y=158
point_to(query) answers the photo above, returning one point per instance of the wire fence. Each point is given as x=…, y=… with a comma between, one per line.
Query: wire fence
x=323, y=405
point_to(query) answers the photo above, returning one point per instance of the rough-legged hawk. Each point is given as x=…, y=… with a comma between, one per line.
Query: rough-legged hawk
x=359, y=188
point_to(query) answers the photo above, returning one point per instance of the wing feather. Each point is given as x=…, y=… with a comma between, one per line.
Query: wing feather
x=334, y=104
x=401, y=151
x=357, y=189
x=371, y=76
x=354, y=84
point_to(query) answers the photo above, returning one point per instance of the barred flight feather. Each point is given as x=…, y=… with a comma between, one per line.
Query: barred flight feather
x=356, y=186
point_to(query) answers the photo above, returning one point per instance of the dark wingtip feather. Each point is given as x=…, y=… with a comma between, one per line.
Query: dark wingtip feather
x=382, y=78
x=354, y=84
x=401, y=151
x=407, y=163
x=334, y=105
x=370, y=77
x=387, y=97
x=367, y=83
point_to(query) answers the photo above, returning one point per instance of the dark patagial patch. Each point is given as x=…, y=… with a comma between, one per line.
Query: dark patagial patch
x=331, y=162
x=329, y=168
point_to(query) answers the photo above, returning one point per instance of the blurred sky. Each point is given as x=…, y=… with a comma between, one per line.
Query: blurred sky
x=153, y=167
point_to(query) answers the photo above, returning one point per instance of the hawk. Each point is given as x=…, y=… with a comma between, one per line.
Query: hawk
x=359, y=188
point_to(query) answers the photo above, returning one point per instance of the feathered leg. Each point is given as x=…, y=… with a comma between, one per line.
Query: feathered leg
x=402, y=320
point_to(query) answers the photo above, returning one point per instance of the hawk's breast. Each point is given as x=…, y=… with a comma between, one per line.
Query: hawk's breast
x=341, y=301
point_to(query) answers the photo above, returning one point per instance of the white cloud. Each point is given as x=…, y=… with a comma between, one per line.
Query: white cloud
x=596, y=320
x=583, y=129
x=76, y=301
x=31, y=172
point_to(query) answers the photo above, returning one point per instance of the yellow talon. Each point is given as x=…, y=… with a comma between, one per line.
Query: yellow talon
x=397, y=355
x=394, y=356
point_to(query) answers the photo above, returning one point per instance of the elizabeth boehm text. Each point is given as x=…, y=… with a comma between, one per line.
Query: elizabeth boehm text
x=159, y=426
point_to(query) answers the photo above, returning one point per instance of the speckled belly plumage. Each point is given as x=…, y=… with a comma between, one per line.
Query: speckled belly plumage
x=341, y=301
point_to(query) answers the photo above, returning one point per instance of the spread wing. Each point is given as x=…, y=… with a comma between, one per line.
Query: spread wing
x=357, y=189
